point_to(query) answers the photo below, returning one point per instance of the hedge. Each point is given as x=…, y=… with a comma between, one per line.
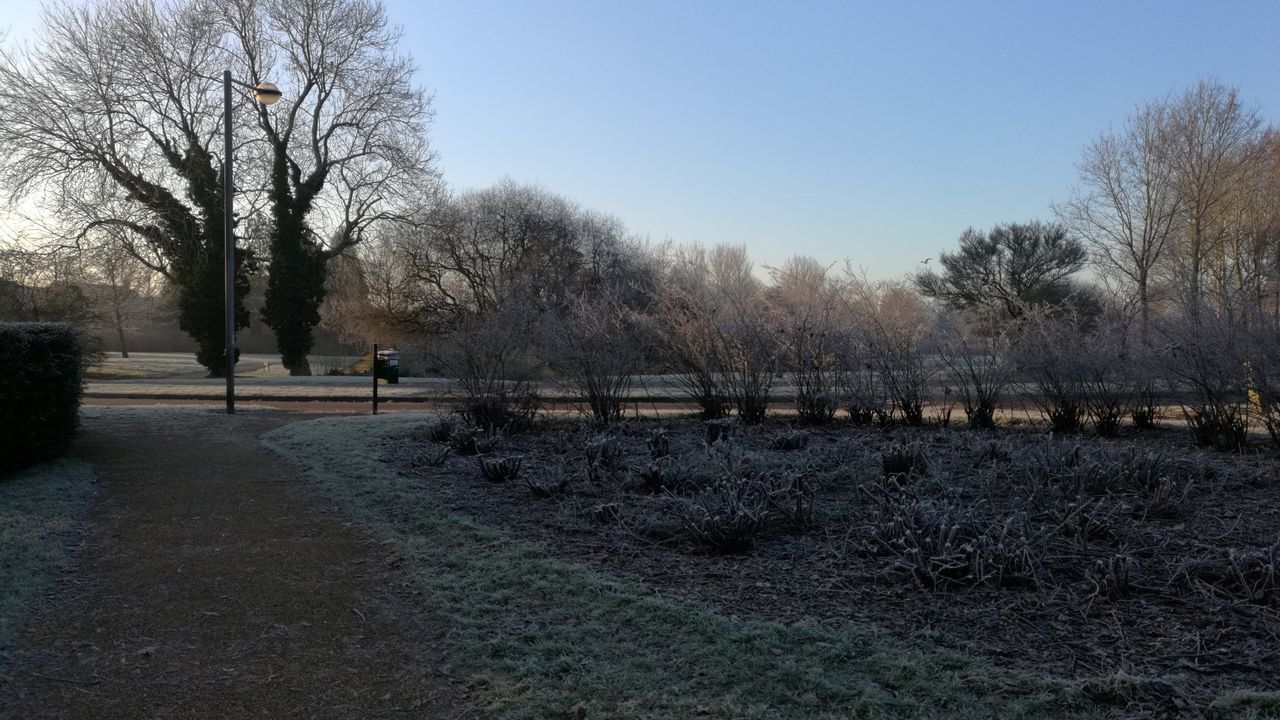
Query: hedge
x=41, y=377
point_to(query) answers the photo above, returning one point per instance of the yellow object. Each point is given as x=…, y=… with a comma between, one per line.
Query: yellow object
x=1254, y=398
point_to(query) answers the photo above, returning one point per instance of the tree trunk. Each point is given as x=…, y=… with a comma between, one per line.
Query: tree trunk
x=124, y=351
x=1144, y=301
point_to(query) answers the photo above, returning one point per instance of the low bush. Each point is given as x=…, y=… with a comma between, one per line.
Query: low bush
x=730, y=515
x=815, y=408
x=750, y=356
x=429, y=457
x=492, y=359
x=596, y=345
x=41, y=378
x=684, y=328
x=606, y=452
x=659, y=444
x=1248, y=574
x=795, y=440
x=1256, y=573
x=554, y=479
x=790, y=501
x=1108, y=372
x=1157, y=482
x=897, y=328
x=1145, y=411
x=604, y=455
x=1205, y=360
x=813, y=336
x=904, y=460
x=718, y=430
x=726, y=517
x=654, y=477
x=1113, y=577
x=864, y=396
x=500, y=470
x=1124, y=690
x=509, y=409
x=1049, y=353
x=441, y=430
x=1223, y=426
x=945, y=545
x=977, y=363
x=473, y=441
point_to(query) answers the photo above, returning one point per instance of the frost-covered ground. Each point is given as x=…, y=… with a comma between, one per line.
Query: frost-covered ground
x=42, y=515
x=176, y=414
x=146, y=365
x=178, y=376
x=184, y=365
x=548, y=636
x=303, y=388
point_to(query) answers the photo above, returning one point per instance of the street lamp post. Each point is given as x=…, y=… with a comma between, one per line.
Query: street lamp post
x=267, y=94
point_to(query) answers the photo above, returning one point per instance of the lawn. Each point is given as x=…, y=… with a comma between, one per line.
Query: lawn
x=42, y=515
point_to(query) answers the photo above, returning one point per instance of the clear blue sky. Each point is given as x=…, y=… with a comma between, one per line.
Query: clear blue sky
x=876, y=132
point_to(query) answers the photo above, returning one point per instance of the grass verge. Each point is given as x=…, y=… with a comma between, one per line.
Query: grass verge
x=544, y=638
x=42, y=512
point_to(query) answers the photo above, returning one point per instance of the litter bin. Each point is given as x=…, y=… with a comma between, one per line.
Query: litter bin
x=387, y=366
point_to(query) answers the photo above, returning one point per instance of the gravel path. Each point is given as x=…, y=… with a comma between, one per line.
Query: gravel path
x=215, y=586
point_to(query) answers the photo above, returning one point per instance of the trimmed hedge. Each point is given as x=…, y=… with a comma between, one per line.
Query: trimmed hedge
x=41, y=377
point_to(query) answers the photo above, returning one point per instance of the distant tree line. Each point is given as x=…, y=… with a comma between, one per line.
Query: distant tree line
x=1157, y=281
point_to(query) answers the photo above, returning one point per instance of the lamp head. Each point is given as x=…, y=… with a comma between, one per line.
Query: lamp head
x=266, y=93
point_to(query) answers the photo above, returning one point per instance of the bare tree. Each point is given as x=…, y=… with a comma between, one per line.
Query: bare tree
x=124, y=289
x=1244, y=270
x=40, y=284
x=481, y=249
x=1213, y=140
x=370, y=294
x=731, y=272
x=113, y=120
x=1128, y=203
x=346, y=151
x=105, y=105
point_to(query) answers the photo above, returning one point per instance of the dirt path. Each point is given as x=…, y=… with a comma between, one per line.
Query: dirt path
x=214, y=586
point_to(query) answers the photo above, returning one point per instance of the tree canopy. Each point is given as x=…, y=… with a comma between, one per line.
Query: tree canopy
x=1012, y=266
x=112, y=121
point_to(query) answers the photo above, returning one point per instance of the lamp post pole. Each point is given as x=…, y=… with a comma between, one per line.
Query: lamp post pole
x=267, y=94
x=229, y=244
